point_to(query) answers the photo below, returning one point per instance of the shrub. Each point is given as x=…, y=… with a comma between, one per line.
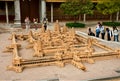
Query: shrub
x=75, y=25
x=111, y=23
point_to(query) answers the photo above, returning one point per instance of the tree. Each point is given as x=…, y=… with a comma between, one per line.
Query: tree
x=86, y=8
x=77, y=7
x=71, y=8
x=108, y=7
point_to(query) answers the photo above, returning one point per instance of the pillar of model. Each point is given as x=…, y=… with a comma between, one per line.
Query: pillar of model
x=43, y=9
x=17, y=19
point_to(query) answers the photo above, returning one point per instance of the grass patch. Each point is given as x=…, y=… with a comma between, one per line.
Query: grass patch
x=111, y=24
x=75, y=25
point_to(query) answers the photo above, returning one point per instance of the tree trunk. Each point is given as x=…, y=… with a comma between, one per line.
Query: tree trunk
x=75, y=19
x=110, y=17
x=79, y=17
x=84, y=19
x=117, y=16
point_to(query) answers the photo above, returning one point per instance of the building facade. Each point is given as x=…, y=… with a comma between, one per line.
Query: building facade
x=16, y=11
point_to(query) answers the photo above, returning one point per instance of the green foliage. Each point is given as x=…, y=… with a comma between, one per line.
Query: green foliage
x=111, y=23
x=108, y=0
x=70, y=8
x=108, y=6
x=77, y=7
x=75, y=25
x=87, y=7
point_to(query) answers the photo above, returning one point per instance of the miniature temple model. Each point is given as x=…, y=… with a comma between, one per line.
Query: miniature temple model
x=58, y=47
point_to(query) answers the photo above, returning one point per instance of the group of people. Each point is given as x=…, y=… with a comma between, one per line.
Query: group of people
x=100, y=29
x=35, y=21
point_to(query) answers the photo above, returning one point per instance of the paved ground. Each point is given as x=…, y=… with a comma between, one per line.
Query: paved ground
x=101, y=69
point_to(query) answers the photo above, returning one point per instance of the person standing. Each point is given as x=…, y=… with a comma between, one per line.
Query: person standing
x=109, y=34
x=27, y=23
x=102, y=30
x=35, y=21
x=45, y=23
x=98, y=30
x=115, y=34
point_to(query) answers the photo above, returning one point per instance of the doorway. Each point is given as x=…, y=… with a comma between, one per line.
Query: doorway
x=29, y=8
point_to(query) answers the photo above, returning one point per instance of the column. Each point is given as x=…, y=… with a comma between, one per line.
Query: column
x=43, y=9
x=40, y=11
x=6, y=10
x=17, y=19
x=51, y=12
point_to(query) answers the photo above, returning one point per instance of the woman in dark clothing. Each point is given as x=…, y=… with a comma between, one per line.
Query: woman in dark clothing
x=45, y=23
x=109, y=34
x=45, y=26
